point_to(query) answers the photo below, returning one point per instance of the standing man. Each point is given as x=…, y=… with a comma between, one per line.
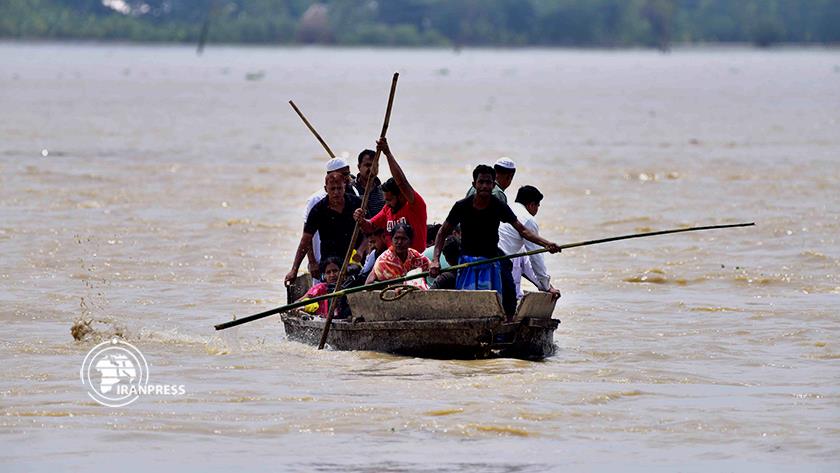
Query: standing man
x=525, y=207
x=402, y=204
x=375, y=201
x=332, y=218
x=505, y=169
x=479, y=216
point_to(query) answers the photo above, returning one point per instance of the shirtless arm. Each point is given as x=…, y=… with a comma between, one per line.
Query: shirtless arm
x=396, y=170
x=313, y=263
x=304, y=246
x=445, y=231
x=364, y=224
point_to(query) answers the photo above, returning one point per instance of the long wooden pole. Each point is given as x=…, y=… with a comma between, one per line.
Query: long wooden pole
x=382, y=284
x=312, y=129
x=374, y=170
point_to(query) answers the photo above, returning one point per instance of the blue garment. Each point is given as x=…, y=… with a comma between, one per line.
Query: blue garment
x=482, y=277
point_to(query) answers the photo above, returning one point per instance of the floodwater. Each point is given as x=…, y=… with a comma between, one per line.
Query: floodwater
x=159, y=193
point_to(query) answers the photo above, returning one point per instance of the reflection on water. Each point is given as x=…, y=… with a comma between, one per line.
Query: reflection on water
x=170, y=200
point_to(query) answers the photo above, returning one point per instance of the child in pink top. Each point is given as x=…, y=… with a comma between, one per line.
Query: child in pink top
x=330, y=267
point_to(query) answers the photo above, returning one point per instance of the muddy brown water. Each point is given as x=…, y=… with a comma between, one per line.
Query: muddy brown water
x=159, y=193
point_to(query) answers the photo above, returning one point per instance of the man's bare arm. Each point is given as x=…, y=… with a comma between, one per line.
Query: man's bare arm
x=396, y=171
x=364, y=224
x=303, y=247
x=434, y=265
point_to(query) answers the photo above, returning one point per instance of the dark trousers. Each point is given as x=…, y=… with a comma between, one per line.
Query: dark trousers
x=508, y=286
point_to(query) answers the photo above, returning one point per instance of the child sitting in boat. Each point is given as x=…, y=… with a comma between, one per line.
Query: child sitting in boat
x=398, y=260
x=330, y=267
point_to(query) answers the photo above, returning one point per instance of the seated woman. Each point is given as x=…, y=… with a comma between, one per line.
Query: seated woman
x=400, y=258
x=330, y=267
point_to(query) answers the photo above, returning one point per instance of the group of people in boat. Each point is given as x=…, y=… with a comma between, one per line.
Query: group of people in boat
x=397, y=239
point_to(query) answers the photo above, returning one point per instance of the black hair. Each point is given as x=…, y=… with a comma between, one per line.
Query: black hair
x=366, y=152
x=377, y=231
x=409, y=232
x=503, y=170
x=451, y=249
x=390, y=186
x=328, y=261
x=483, y=169
x=431, y=233
x=528, y=194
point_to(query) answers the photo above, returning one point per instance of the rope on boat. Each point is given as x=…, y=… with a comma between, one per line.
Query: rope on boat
x=399, y=291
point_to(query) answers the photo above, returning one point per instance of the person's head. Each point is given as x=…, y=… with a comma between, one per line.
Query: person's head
x=330, y=267
x=401, y=236
x=339, y=165
x=391, y=193
x=530, y=197
x=452, y=249
x=335, y=185
x=484, y=179
x=505, y=169
x=365, y=163
x=377, y=240
x=431, y=233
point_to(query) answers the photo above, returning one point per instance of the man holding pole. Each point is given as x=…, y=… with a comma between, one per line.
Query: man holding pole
x=525, y=207
x=479, y=216
x=332, y=218
x=402, y=204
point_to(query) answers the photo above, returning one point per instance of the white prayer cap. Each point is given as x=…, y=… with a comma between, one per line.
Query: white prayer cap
x=335, y=164
x=505, y=162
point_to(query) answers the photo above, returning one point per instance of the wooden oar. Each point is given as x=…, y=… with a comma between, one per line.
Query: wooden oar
x=381, y=284
x=312, y=129
x=374, y=170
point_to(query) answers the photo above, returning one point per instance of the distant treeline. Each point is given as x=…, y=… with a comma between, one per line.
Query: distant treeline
x=605, y=23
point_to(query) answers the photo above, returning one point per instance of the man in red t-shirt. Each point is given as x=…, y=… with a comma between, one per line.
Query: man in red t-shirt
x=402, y=204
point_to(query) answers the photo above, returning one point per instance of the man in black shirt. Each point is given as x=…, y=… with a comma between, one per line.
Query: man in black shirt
x=332, y=218
x=479, y=216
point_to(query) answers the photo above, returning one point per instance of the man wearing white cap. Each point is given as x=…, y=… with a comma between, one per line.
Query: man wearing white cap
x=314, y=253
x=505, y=169
x=332, y=217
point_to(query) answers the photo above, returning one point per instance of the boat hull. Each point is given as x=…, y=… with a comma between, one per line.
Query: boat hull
x=462, y=338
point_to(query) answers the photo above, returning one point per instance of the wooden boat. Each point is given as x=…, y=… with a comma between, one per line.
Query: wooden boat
x=441, y=324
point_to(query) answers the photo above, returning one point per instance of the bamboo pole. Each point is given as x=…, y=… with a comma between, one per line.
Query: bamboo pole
x=374, y=170
x=312, y=129
x=381, y=284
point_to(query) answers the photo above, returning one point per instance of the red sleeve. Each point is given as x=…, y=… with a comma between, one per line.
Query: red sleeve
x=419, y=203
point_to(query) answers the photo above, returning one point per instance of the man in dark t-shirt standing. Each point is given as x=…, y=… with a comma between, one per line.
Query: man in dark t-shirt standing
x=479, y=216
x=332, y=218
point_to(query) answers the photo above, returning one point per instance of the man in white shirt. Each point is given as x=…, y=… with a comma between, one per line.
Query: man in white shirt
x=525, y=207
